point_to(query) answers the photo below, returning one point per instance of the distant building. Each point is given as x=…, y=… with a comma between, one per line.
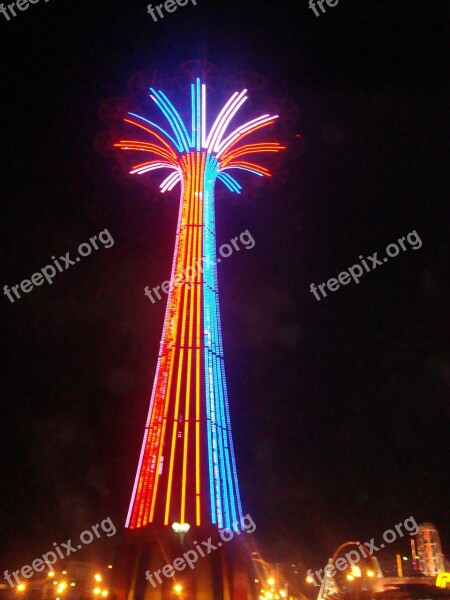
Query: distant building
x=429, y=551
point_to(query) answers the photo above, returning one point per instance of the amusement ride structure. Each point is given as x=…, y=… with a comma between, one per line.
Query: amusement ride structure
x=187, y=475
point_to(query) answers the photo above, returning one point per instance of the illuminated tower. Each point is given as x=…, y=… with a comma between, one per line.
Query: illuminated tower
x=187, y=469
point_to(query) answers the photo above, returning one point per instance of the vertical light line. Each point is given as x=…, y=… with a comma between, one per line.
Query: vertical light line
x=203, y=115
x=231, y=445
x=188, y=198
x=198, y=115
x=226, y=433
x=175, y=315
x=207, y=341
x=207, y=337
x=197, y=337
x=221, y=499
x=193, y=323
x=192, y=293
x=218, y=391
x=199, y=286
x=193, y=114
x=212, y=389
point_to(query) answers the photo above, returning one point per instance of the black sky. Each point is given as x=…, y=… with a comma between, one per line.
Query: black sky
x=340, y=407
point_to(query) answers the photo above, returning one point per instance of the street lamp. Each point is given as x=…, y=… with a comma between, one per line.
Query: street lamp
x=356, y=571
x=181, y=529
x=309, y=580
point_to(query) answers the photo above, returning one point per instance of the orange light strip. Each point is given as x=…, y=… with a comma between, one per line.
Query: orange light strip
x=250, y=149
x=187, y=198
x=145, y=147
x=248, y=165
x=162, y=140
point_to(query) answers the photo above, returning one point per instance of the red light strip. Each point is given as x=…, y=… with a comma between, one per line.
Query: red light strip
x=199, y=287
x=191, y=292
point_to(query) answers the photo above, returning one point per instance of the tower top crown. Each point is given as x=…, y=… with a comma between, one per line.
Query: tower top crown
x=226, y=146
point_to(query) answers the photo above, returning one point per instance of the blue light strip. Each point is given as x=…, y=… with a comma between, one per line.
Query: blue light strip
x=223, y=474
x=230, y=182
x=219, y=471
x=178, y=119
x=211, y=437
x=228, y=484
x=211, y=385
x=171, y=114
x=230, y=437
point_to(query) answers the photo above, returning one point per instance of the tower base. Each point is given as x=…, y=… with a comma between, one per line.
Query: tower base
x=157, y=564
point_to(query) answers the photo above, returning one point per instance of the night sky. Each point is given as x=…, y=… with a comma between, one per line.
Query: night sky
x=339, y=407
